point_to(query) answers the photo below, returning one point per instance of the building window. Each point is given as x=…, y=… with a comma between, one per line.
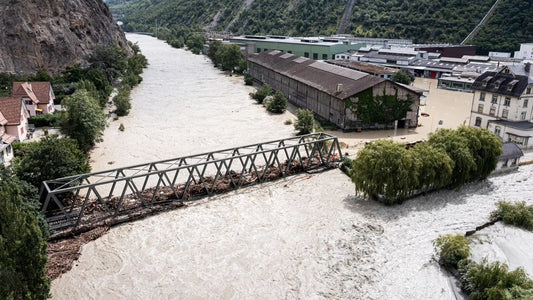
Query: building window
x=482, y=97
x=494, y=99
x=324, y=56
x=480, y=108
x=523, y=115
x=507, y=101
x=315, y=56
x=497, y=130
x=505, y=113
x=306, y=54
x=21, y=130
x=528, y=91
x=258, y=50
x=521, y=141
x=526, y=102
x=492, y=111
x=478, y=122
x=289, y=51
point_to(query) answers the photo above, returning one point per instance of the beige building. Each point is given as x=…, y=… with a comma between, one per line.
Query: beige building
x=503, y=103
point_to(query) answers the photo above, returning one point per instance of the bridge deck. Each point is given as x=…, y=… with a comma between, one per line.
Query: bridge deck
x=96, y=197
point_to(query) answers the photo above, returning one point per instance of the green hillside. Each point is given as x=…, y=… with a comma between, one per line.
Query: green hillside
x=423, y=21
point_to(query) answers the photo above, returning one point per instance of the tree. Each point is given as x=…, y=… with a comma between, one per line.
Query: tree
x=112, y=60
x=486, y=148
x=384, y=168
x=92, y=91
x=402, y=77
x=456, y=146
x=195, y=43
x=262, y=93
x=122, y=102
x=22, y=248
x=50, y=158
x=83, y=119
x=433, y=167
x=214, y=46
x=230, y=58
x=305, y=122
x=278, y=104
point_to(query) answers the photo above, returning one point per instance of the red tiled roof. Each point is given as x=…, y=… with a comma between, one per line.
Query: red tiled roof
x=41, y=89
x=3, y=120
x=22, y=89
x=10, y=108
x=8, y=139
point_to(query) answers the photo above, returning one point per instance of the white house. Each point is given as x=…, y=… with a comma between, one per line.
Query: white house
x=6, y=150
x=503, y=103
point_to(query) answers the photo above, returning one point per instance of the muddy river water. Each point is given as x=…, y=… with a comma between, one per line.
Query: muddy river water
x=302, y=237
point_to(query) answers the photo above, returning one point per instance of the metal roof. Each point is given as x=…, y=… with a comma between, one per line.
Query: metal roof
x=499, y=82
x=318, y=74
x=510, y=150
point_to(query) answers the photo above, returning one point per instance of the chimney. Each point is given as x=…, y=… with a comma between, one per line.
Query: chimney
x=339, y=88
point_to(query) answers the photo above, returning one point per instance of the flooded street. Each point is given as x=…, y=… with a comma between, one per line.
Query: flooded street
x=306, y=236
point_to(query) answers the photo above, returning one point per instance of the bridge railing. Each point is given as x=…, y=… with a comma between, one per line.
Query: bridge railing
x=99, y=196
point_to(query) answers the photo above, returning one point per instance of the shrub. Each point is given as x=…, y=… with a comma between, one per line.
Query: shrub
x=278, y=104
x=262, y=93
x=305, y=122
x=248, y=79
x=518, y=214
x=451, y=249
x=486, y=280
x=44, y=120
x=346, y=165
x=122, y=102
x=63, y=158
x=288, y=122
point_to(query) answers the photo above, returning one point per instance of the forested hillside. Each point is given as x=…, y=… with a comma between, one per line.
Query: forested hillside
x=423, y=21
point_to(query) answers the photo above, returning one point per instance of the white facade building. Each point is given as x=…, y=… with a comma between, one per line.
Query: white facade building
x=503, y=103
x=525, y=52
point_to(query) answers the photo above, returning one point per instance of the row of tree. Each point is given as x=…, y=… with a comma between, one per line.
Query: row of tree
x=450, y=158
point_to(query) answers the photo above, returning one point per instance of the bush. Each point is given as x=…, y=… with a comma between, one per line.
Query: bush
x=451, y=249
x=346, y=165
x=288, y=122
x=486, y=280
x=122, y=102
x=63, y=158
x=278, y=104
x=262, y=93
x=248, y=79
x=518, y=214
x=305, y=122
x=44, y=120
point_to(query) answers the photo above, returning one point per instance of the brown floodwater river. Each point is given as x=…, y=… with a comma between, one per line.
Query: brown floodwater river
x=303, y=237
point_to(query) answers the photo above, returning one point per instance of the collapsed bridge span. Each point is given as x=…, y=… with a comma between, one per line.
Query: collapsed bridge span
x=118, y=195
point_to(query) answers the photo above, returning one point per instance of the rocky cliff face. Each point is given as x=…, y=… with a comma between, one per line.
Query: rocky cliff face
x=53, y=34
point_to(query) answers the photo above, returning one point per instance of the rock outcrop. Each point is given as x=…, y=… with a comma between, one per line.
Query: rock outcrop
x=53, y=34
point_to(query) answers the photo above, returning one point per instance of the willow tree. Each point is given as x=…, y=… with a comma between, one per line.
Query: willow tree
x=486, y=148
x=384, y=168
x=457, y=147
x=433, y=167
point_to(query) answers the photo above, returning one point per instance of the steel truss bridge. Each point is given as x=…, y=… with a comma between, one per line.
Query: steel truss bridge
x=122, y=193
